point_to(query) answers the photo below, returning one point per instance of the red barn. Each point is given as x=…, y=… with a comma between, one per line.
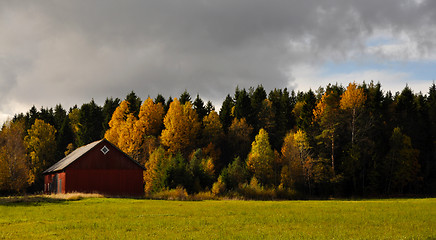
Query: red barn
x=98, y=167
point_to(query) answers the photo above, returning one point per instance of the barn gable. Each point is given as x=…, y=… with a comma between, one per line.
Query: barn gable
x=74, y=157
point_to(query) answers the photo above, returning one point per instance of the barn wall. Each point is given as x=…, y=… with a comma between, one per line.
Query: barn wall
x=112, y=182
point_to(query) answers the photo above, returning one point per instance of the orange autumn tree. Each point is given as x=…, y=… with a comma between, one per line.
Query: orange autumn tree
x=352, y=100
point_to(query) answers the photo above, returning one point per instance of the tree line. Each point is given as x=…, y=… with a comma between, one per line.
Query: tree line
x=336, y=141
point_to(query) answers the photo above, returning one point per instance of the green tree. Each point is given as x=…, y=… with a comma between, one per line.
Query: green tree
x=226, y=116
x=110, y=104
x=65, y=137
x=234, y=174
x=303, y=110
x=134, y=103
x=243, y=106
x=185, y=97
x=41, y=147
x=90, y=123
x=261, y=157
x=156, y=171
x=401, y=163
x=199, y=107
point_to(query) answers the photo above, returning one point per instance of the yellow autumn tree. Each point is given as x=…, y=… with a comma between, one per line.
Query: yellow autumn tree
x=261, y=157
x=123, y=131
x=150, y=118
x=295, y=154
x=41, y=146
x=126, y=141
x=352, y=100
x=14, y=169
x=116, y=123
x=181, y=128
x=146, y=129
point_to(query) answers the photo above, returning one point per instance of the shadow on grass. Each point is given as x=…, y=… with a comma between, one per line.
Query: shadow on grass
x=29, y=201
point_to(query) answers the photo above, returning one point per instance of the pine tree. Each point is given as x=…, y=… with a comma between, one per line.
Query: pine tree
x=199, y=107
x=109, y=107
x=90, y=123
x=226, y=113
x=134, y=103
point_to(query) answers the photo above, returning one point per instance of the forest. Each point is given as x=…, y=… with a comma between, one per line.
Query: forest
x=336, y=141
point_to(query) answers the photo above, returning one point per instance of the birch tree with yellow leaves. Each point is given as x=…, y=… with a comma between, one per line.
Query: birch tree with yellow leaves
x=352, y=100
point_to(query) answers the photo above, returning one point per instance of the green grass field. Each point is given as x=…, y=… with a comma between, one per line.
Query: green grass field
x=112, y=218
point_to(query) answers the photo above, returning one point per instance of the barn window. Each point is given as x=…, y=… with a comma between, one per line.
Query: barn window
x=104, y=150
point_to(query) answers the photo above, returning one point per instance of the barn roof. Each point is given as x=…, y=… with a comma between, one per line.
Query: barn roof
x=76, y=154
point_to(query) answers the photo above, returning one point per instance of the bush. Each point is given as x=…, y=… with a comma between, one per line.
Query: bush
x=203, y=196
x=172, y=194
x=255, y=191
x=219, y=187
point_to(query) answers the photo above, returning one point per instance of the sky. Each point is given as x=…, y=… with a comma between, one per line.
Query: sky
x=69, y=52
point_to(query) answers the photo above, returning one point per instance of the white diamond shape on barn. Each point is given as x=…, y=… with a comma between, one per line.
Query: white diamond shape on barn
x=104, y=150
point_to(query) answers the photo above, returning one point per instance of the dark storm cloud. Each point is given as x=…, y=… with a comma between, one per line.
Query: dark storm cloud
x=72, y=51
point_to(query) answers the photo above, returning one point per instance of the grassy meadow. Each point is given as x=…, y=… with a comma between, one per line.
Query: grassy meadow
x=116, y=218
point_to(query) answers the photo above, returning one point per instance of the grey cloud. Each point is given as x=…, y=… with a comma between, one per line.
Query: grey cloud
x=77, y=50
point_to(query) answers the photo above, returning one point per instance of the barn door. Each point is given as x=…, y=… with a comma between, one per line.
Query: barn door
x=54, y=184
x=60, y=185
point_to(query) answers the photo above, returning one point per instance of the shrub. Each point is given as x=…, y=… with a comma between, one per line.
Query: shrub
x=219, y=187
x=255, y=191
x=172, y=194
x=203, y=196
